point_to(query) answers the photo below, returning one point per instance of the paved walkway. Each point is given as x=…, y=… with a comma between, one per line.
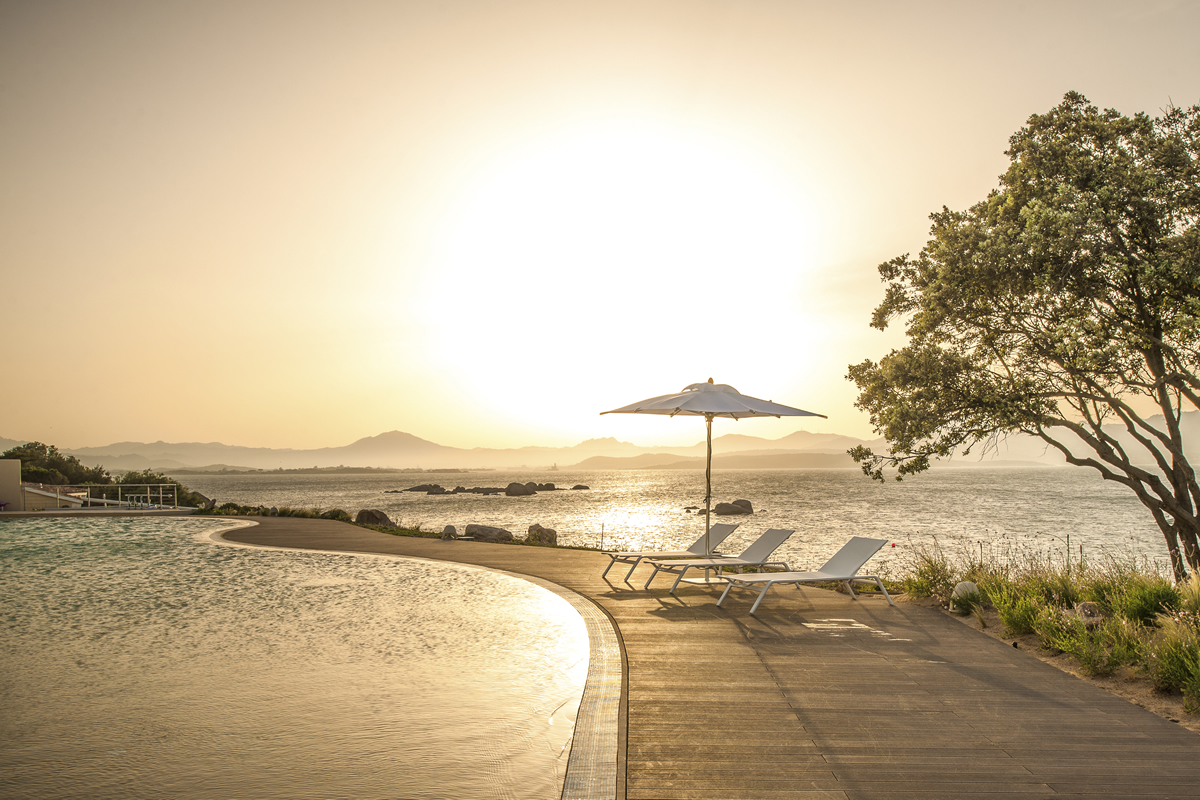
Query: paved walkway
x=819, y=696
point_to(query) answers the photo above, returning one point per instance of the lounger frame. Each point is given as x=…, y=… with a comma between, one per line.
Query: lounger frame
x=842, y=568
x=757, y=554
x=718, y=533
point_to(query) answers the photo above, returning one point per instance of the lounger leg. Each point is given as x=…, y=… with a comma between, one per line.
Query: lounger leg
x=652, y=574
x=682, y=572
x=611, y=560
x=850, y=589
x=879, y=583
x=728, y=586
x=761, y=595
x=629, y=574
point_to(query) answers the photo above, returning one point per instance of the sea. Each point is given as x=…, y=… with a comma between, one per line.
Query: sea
x=143, y=660
x=999, y=512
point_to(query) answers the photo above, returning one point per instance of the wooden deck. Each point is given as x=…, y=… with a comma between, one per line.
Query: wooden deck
x=820, y=696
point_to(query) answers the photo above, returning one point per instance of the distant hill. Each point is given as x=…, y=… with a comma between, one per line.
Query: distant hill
x=399, y=450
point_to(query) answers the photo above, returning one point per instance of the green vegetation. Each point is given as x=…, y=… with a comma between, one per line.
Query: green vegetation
x=1062, y=306
x=42, y=463
x=1138, y=617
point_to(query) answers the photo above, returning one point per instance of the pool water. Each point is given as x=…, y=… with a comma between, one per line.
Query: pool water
x=142, y=660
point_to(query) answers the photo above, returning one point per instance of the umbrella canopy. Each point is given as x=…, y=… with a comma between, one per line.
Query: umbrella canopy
x=711, y=400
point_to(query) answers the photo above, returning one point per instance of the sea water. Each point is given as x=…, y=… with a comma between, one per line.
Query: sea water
x=140, y=659
x=1004, y=510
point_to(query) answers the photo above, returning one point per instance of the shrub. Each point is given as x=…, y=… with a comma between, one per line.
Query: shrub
x=1099, y=650
x=338, y=514
x=1189, y=594
x=1017, y=609
x=1144, y=597
x=304, y=513
x=931, y=574
x=1173, y=656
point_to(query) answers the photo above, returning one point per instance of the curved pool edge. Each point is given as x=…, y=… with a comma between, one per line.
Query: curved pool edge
x=594, y=762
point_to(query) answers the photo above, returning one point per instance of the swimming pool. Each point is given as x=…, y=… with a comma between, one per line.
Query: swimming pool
x=141, y=660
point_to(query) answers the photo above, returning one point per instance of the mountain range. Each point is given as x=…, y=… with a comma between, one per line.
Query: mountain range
x=399, y=450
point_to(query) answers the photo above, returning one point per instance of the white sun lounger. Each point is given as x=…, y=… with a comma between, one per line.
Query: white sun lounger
x=716, y=534
x=756, y=555
x=842, y=568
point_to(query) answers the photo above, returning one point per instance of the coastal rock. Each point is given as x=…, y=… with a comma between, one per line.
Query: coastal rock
x=542, y=536
x=487, y=533
x=579, y=486
x=965, y=597
x=730, y=509
x=369, y=516
x=1090, y=613
x=424, y=487
x=449, y=532
x=437, y=490
x=744, y=504
x=545, y=487
x=520, y=489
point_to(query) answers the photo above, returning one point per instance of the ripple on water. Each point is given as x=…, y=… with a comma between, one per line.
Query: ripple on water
x=140, y=661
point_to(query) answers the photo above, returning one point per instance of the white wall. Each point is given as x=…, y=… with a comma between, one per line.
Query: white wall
x=10, y=484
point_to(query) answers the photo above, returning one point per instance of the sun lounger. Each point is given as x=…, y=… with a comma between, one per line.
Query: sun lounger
x=716, y=534
x=756, y=555
x=842, y=568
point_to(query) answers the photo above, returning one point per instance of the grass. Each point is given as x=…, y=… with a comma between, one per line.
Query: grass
x=1146, y=622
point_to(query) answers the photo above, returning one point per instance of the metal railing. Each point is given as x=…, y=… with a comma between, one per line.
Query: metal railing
x=112, y=495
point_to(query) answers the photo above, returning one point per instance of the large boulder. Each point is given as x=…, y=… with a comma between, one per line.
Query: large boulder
x=730, y=509
x=744, y=504
x=369, y=516
x=487, y=533
x=579, y=486
x=520, y=489
x=542, y=536
x=545, y=487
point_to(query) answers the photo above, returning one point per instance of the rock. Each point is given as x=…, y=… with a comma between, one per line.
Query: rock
x=729, y=509
x=449, y=532
x=424, y=487
x=544, y=487
x=1090, y=613
x=437, y=490
x=542, y=536
x=580, y=486
x=520, y=489
x=368, y=516
x=744, y=504
x=487, y=533
x=965, y=597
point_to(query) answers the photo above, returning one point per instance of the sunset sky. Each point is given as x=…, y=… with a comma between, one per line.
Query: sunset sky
x=295, y=224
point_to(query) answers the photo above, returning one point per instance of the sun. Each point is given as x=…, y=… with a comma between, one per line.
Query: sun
x=607, y=235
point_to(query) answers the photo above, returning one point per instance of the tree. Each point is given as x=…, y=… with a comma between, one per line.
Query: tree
x=42, y=463
x=1066, y=305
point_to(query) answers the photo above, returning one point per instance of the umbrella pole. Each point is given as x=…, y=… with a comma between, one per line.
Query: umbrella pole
x=708, y=418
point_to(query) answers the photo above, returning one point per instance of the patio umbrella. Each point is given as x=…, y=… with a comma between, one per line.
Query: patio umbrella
x=711, y=400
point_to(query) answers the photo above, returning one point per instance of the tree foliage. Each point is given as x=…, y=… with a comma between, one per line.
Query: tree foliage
x=42, y=463
x=1066, y=305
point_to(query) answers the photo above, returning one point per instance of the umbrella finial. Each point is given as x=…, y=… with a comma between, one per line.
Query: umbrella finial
x=710, y=380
